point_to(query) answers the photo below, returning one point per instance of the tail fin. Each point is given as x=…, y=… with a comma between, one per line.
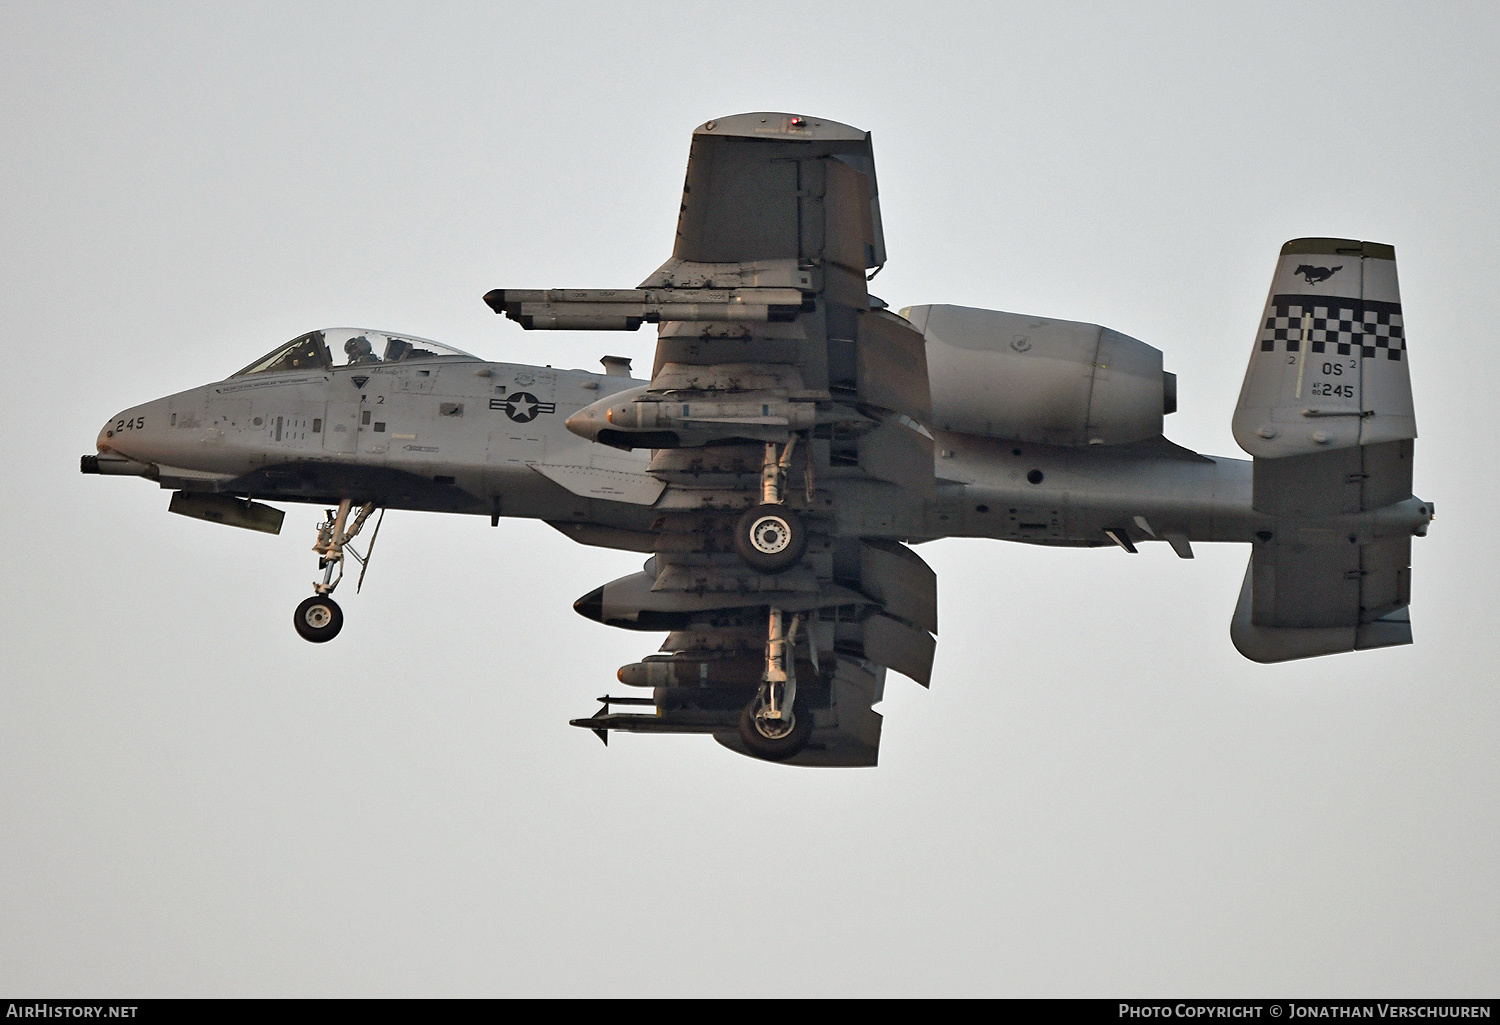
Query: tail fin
x=1326, y=411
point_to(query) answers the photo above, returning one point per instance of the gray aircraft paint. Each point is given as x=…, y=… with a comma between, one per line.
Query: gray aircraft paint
x=948, y=422
x=215, y=443
x=1099, y=796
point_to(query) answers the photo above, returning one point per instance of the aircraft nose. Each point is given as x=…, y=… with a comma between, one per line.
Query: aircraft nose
x=131, y=432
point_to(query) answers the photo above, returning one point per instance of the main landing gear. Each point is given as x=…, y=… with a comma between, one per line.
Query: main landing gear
x=775, y=725
x=319, y=618
x=771, y=537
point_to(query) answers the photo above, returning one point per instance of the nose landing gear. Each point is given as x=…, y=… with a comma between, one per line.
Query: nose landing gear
x=319, y=618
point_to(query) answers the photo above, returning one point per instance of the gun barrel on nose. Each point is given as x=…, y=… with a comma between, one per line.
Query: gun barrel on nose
x=110, y=464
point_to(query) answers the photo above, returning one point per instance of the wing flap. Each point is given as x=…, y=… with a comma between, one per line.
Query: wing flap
x=891, y=367
x=908, y=650
x=899, y=454
x=901, y=581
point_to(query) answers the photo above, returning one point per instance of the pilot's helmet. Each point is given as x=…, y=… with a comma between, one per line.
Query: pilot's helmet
x=357, y=346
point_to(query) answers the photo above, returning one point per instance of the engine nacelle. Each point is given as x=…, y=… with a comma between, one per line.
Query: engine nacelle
x=1052, y=382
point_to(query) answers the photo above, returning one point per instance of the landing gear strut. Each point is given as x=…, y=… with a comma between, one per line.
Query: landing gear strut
x=775, y=725
x=319, y=618
x=771, y=537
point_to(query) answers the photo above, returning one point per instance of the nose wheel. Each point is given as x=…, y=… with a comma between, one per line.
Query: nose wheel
x=318, y=619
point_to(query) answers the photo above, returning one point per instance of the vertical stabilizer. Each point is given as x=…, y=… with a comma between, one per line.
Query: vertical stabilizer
x=1329, y=369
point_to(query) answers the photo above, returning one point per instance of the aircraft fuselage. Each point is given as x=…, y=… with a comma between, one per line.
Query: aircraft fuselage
x=466, y=436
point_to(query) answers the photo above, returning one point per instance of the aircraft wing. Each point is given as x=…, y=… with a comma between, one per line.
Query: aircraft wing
x=777, y=379
x=762, y=187
x=876, y=609
x=781, y=201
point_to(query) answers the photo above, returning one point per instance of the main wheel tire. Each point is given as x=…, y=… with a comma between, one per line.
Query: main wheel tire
x=318, y=619
x=770, y=538
x=775, y=749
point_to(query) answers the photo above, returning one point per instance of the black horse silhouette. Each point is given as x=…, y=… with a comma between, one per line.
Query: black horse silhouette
x=1318, y=275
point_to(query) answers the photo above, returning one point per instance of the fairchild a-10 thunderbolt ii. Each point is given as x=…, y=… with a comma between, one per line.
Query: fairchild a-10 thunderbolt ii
x=796, y=435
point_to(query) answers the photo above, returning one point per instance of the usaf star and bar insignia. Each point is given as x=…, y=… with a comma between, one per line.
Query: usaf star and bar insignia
x=522, y=407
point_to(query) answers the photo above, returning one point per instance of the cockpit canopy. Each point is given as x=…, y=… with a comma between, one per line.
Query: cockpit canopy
x=349, y=347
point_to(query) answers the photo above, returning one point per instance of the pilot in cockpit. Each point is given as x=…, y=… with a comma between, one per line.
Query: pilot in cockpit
x=359, y=351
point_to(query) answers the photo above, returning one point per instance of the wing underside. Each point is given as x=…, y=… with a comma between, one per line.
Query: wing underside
x=777, y=384
x=878, y=610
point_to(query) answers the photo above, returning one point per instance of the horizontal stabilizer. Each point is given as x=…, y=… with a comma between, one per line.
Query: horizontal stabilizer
x=1261, y=643
x=1331, y=571
x=1326, y=410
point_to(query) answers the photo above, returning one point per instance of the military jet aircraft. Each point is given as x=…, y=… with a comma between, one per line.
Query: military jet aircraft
x=796, y=436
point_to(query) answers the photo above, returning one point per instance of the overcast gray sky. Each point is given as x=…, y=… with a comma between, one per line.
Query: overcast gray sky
x=1097, y=797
